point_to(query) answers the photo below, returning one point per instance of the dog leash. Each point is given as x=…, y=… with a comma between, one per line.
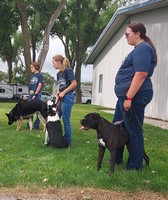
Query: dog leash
x=58, y=106
x=131, y=111
x=137, y=118
x=126, y=118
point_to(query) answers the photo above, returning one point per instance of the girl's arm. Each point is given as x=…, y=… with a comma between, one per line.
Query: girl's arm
x=37, y=90
x=57, y=95
x=68, y=89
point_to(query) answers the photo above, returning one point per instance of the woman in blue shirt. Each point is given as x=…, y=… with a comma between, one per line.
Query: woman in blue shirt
x=65, y=92
x=35, y=86
x=133, y=87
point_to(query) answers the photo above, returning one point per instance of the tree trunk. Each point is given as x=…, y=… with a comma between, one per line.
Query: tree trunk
x=9, y=60
x=78, y=54
x=33, y=43
x=52, y=20
x=26, y=37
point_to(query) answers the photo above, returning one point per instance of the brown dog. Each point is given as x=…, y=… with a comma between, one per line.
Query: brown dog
x=110, y=136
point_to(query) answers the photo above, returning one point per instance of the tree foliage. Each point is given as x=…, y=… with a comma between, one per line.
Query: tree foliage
x=3, y=77
x=78, y=26
x=21, y=6
x=49, y=81
x=47, y=31
x=8, y=27
x=33, y=27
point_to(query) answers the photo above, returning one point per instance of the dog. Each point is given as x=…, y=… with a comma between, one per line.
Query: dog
x=25, y=110
x=54, y=134
x=110, y=136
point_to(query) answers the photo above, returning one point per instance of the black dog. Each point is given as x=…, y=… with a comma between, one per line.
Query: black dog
x=54, y=134
x=110, y=136
x=25, y=110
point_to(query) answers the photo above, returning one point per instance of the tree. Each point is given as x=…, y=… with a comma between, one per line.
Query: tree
x=3, y=77
x=9, y=24
x=21, y=5
x=47, y=31
x=25, y=35
x=79, y=26
x=48, y=82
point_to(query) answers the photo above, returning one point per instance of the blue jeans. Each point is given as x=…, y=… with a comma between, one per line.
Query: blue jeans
x=36, y=123
x=133, y=122
x=66, y=107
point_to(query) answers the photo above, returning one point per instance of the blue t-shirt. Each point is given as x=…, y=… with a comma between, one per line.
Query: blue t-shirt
x=141, y=59
x=35, y=80
x=64, y=79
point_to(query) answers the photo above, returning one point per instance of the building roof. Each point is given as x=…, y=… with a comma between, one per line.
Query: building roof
x=117, y=20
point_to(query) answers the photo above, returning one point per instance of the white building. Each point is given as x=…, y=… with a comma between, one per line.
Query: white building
x=111, y=48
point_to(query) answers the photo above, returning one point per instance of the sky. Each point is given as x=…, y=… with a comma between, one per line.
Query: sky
x=56, y=47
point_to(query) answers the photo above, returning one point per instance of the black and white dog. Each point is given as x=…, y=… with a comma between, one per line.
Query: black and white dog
x=54, y=134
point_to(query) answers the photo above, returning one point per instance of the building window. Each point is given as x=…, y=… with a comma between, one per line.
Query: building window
x=100, y=83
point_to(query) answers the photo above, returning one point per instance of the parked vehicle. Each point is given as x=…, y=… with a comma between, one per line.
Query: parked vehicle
x=86, y=97
x=12, y=91
x=45, y=96
x=86, y=100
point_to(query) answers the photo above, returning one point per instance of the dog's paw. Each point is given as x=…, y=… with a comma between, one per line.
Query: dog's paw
x=47, y=144
x=98, y=167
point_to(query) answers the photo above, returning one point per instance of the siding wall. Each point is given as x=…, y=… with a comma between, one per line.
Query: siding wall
x=110, y=59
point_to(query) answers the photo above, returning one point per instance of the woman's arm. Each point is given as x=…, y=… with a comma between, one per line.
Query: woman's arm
x=136, y=83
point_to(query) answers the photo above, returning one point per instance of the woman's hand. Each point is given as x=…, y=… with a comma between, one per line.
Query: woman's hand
x=127, y=105
x=33, y=97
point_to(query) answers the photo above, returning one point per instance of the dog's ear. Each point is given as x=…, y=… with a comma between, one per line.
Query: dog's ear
x=49, y=103
x=96, y=115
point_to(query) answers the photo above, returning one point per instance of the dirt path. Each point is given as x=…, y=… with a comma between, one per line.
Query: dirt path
x=75, y=194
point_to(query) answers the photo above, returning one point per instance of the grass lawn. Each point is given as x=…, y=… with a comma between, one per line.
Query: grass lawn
x=26, y=161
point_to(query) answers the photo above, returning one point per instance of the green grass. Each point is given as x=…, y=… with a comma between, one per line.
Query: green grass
x=25, y=161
